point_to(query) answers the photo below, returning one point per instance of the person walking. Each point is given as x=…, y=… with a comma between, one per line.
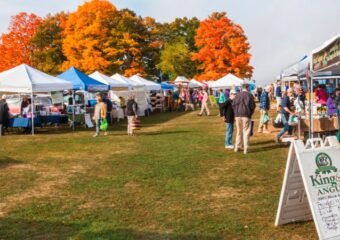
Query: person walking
x=100, y=114
x=264, y=108
x=221, y=101
x=285, y=112
x=132, y=114
x=205, y=99
x=229, y=118
x=4, y=115
x=244, y=107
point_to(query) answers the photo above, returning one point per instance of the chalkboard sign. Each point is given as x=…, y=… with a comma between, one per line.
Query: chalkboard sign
x=317, y=166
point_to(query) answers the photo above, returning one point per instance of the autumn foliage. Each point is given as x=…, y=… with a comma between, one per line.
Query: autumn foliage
x=223, y=48
x=99, y=37
x=15, y=46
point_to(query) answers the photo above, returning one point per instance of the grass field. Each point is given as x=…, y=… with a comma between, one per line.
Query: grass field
x=174, y=180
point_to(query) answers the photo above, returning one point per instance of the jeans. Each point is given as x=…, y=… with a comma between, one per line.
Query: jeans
x=229, y=134
x=286, y=127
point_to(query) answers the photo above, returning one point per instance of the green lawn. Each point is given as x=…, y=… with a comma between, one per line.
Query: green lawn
x=174, y=180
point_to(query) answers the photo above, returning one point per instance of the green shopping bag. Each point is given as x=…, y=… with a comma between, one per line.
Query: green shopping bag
x=103, y=125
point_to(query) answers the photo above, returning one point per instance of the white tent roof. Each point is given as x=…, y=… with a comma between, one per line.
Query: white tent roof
x=25, y=79
x=229, y=80
x=149, y=85
x=181, y=79
x=121, y=78
x=107, y=80
x=195, y=84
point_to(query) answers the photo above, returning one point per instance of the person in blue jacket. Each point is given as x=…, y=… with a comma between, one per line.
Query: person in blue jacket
x=264, y=108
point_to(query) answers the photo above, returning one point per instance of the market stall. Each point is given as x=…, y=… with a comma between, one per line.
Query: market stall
x=148, y=85
x=26, y=80
x=82, y=84
x=324, y=59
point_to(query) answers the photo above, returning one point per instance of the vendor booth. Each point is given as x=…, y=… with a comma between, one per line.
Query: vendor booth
x=114, y=83
x=195, y=84
x=84, y=85
x=132, y=84
x=26, y=80
x=228, y=81
x=148, y=85
x=324, y=59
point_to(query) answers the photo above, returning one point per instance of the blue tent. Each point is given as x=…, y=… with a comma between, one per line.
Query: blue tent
x=81, y=81
x=166, y=86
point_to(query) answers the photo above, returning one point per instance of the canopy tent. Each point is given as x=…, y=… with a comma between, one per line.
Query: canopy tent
x=148, y=85
x=81, y=81
x=167, y=86
x=25, y=79
x=195, y=84
x=229, y=80
x=131, y=84
x=109, y=81
x=181, y=80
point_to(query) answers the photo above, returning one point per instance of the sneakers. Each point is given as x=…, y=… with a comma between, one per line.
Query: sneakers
x=96, y=135
x=229, y=147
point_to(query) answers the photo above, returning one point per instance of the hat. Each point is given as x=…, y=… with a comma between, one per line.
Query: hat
x=233, y=92
x=4, y=97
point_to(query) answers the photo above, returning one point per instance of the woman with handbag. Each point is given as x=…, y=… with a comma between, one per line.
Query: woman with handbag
x=100, y=113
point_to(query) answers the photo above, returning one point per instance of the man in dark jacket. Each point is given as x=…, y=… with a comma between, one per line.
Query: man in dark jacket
x=4, y=115
x=229, y=118
x=244, y=107
x=264, y=108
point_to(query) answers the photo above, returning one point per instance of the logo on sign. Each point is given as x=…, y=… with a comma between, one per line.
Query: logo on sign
x=324, y=163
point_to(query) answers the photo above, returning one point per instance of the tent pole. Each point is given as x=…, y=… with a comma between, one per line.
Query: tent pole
x=32, y=106
x=73, y=110
x=311, y=135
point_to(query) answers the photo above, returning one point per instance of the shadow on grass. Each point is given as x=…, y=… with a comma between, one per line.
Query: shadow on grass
x=25, y=229
x=269, y=148
x=161, y=133
x=7, y=162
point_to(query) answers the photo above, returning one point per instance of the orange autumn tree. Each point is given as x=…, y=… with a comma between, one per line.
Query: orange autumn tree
x=86, y=36
x=223, y=48
x=15, y=46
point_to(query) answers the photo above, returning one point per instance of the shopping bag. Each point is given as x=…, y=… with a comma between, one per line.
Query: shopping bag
x=277, y=123
x=265, y=118
x=293, y=120
x=103, y=125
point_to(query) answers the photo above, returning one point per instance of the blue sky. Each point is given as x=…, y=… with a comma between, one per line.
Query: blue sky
x=280, y=32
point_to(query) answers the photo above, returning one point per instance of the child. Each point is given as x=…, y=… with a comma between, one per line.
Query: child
x=229, y=118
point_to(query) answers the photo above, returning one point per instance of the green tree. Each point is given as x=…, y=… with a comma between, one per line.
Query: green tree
x=47, y=42
x=176, y=60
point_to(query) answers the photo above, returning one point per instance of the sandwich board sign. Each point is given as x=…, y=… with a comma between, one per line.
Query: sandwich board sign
x=311, y=186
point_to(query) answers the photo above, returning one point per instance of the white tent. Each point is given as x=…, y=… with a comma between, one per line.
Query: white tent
x=25, y=79
x=149, y=85
x=131, y=84
x=227, y=81
x=181, y=80
x=109, y=81
x=195, y=84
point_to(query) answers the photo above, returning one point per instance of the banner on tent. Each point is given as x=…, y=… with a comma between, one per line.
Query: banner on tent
x=97, y=88
x=327, y=57
x=311, y=187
